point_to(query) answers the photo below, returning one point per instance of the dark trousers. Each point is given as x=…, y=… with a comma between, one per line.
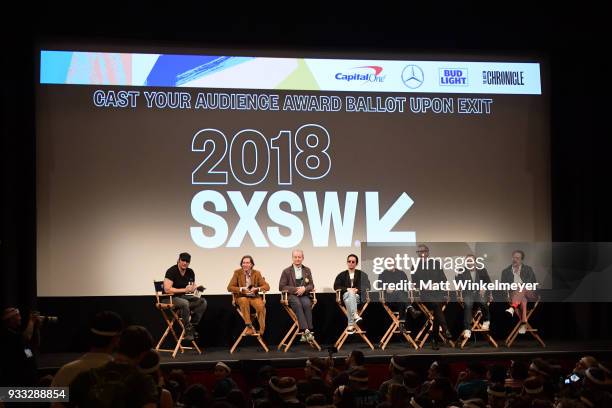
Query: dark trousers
x=302, y=307
x=439, y=318
x=400, y=308
x=471, y=299
x=197, y=306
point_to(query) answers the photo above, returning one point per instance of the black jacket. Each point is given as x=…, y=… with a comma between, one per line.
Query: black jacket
x=343, y=281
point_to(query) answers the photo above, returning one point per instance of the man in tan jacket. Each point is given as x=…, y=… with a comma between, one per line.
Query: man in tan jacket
x=246, y=284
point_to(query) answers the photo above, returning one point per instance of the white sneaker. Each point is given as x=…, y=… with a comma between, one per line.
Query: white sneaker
x=357, y=318
x=466, y=334
x=350, y=330
x=510, y=310
x=522, y=329
x=485, y=325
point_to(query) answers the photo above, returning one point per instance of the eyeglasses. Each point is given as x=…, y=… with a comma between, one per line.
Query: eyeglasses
x=422, y=250
x=351, y=261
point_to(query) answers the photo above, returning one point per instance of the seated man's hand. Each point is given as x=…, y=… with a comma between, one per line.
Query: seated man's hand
x=254, y=290
x=300, y=291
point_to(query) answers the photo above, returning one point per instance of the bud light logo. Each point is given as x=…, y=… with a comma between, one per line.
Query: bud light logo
x=370, y=73
x=453, y=76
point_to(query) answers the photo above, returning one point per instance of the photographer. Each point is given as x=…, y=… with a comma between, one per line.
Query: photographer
x=19, y=345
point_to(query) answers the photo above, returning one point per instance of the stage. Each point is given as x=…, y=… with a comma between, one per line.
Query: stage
x=296, y=356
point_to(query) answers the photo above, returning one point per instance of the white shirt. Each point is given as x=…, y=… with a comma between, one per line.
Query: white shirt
x=298, y=272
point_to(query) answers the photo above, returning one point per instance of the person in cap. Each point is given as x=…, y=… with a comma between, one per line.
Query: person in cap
x=223, y=381
x=297, y=281
x=180, y=282
x=104, y=332
x=364, y=396
x=19, y=344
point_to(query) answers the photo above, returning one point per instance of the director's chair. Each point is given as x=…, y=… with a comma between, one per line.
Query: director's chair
x=394, y=326
x=529, y=328
x=168, y=310
x=427, y=327
x=294, y=330
x=244, y=332
x=358, y=329
x=476, y=326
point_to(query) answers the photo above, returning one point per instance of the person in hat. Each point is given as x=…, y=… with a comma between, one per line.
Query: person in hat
x=247, y=284
x=297, y=281
x=397, y=366
x=472, y=382
x=104, y=333
x=285, y=389
x=17, y=354
x=223, y=381
x=149, y=365
x=119, y=380
x=180, y=281
x=314, y=383
x=364, y=396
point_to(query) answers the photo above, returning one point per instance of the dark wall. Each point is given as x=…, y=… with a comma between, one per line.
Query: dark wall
x=579, y=139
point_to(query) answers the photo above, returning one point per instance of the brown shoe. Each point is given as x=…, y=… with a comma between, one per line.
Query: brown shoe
x=250, y=331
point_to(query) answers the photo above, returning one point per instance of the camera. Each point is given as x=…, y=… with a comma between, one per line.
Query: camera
x=45, y=319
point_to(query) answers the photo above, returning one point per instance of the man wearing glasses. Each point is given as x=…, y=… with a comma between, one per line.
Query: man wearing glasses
x=180, y=282
x=430, y=270
x=353, y=283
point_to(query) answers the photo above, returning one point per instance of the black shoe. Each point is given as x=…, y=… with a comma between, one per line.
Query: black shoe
x=402, y=327
x=448, y=334
x=188, y=337
x=434, y=345
x=415, y=314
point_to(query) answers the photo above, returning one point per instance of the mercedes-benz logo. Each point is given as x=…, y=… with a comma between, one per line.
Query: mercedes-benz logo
x=412, y=76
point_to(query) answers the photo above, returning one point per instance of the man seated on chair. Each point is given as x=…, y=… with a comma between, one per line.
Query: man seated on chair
x=474, y=297
x=429, y=269
x=353, y=284
x=398, y=300
x=520, y=273
x=297, y=281
x=246, y=284
x=180, y=283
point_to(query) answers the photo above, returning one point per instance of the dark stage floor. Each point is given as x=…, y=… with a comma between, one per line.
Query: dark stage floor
x=295, y=357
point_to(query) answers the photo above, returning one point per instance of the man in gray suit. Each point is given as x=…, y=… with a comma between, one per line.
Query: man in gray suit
x=297, y=281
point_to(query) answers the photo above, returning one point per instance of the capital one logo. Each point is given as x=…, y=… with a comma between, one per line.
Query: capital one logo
x=412, y=76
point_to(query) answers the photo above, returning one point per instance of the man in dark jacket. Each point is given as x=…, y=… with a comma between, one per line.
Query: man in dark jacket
x=352, y=284
x=518, y=272
x=430, y=271
x=472, y=297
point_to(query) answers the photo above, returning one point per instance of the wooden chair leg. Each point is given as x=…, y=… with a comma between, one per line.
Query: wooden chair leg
x=238, y=340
